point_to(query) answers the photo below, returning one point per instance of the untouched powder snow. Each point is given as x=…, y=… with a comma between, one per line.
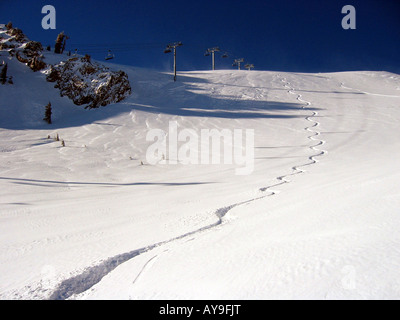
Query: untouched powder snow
x=317, y=218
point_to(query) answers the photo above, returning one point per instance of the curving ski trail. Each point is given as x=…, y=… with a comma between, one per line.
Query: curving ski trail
x=296, y=169
x=94, y=274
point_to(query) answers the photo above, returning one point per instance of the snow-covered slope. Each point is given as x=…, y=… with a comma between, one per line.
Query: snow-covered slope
x=317, y=218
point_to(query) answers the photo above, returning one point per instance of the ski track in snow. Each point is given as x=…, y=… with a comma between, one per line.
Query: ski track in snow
x=312, y=159
x=94, y=274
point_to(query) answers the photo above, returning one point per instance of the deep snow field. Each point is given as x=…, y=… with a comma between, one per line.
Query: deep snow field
x=317, y=218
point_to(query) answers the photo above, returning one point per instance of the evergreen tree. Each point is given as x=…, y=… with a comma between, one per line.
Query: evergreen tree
x=3, y=74
x=47, y=114
x=59, y=43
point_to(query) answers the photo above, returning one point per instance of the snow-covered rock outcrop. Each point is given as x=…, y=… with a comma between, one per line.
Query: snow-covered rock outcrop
x=88, y=82
x=17, y=44
x=82, y=80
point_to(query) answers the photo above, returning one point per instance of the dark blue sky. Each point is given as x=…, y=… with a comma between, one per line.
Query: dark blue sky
x=284, y=35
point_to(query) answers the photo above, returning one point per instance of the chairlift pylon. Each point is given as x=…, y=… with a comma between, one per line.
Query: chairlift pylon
x=110, y=55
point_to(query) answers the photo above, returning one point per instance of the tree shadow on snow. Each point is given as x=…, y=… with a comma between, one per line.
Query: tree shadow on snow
x=156, y=92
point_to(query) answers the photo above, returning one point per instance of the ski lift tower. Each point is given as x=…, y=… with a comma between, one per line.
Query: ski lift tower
x=238, y=62
x=249, y=66
x=109, y=56
x=211, y=51
x=169, y=48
